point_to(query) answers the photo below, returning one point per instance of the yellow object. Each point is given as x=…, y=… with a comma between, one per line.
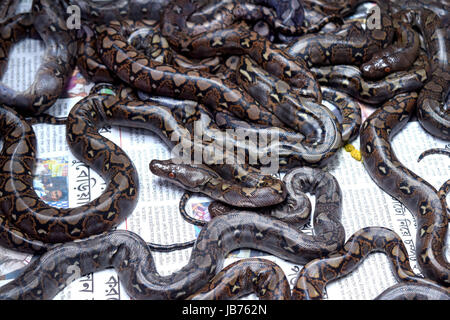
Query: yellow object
x=349, y=147
x=356, y=154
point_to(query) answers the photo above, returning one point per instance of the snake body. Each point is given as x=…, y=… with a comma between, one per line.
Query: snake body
x=414, y=192
x=296, y=209
x=105, y=11
x=236, y=39
x=349, y=112
x=253, y=190
x=129, y=255
x=396, y=57
x=28, y=223
x=89, y=62
x=281, y=16
x=315, y=275
x=8, y=8
x=132, y=259
x=432, y=110
x=313, y=120
x=254, y=275
x=414, y=291
x=349, y=79
x=150, y=76
x=350, y=45
x=45, y=21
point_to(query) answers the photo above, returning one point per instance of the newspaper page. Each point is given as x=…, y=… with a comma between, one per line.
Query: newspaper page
x=64, y=181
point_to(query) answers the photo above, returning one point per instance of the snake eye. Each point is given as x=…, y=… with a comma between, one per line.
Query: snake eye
x=172, y=175
x=387, y=69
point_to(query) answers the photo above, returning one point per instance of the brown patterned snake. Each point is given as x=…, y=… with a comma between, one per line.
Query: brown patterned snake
x=414, y=192
x=27, y=222
x=7, y=8
x=296, y=209
x=253, y=275
x=131, y=258
x=44, y=22
x=354, y=46
x=318, y=273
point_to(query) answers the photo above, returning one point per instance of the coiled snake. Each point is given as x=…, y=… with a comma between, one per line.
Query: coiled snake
x=29, y=224
x=43, y=22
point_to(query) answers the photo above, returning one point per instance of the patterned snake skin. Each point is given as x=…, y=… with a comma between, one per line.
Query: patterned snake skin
x=315, y=275
x=8, y=8
x=29, y=224
x=44, y=22
x=254, y=275
x=414, y=192
x=131, y=258
x=296, y=209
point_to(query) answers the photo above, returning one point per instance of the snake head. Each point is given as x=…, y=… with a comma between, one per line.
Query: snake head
x=376, y=68
x=187, y=176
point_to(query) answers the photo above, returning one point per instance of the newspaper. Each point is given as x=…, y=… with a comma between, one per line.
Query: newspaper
x=64, y=181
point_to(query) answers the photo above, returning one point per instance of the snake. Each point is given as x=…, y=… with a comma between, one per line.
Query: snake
x=396, y=57
x=206, y=16
x=233, y=39
x=348, y=115
x=414, y=291
x=267, y=90
x=431, y=19
x=349, y=112
x=150, y=40
x=202, y=179
x=106, y=11
x=349, y=45
x=8, y=8
x=254, y=112
x=153, y=77
x=228, y=180
x=286, y=144
x=198, y=121
x=316, y=274
x=43, y=22
x=278, y=96
x=349, y=79
x=89, y=62
x=415, y=193
x=243, y=277
x=426, y=153
x=296, y=209
x=432, y=110
x=445, y=188
x=129, y=255
x=146, y=38
x=29, y=224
